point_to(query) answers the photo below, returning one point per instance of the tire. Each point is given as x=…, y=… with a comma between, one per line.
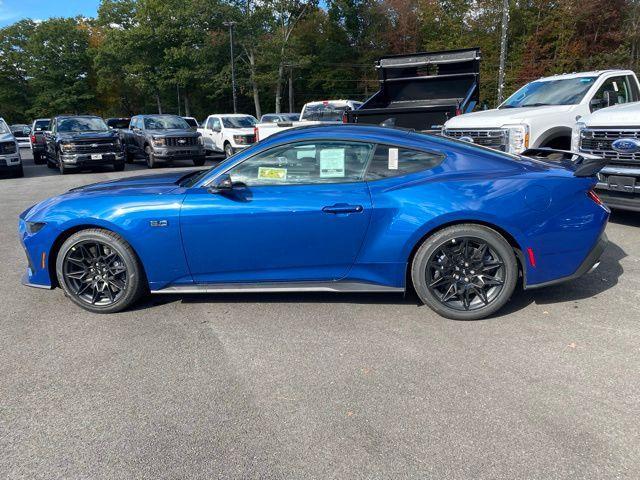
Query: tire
x=228, y=150
x=198, y=162
x=37, y=159
x=99, y=271
x=150, y=157
x=118, y=167
x=50, y=164
x=128, y=156
x=63, y=170
x=465, y=272
x=19, y=172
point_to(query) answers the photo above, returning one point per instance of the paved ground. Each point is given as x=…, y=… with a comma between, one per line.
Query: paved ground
x=318, y=386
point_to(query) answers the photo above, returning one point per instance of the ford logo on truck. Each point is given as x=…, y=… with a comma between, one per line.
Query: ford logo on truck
x=626, y=145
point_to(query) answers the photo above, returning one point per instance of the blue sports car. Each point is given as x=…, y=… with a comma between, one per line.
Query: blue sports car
x=340, y=208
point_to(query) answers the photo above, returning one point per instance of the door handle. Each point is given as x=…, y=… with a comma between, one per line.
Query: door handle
x=343, y=208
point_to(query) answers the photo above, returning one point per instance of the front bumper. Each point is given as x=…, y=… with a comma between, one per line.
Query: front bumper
x=84, y=160
x=590, y=263
x=178, y=153
x=36, y=248
x=616, y=195
x=10, y=162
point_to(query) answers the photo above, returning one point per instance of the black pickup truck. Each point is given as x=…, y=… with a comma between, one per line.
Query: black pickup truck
x=82, y=141
x=421, y=91
x=162, y=138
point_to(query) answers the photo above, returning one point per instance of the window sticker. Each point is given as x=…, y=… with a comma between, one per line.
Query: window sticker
x=332, y=163
x=270, y=173
x=393, y=159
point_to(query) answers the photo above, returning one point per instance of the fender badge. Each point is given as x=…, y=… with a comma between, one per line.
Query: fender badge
x=158, y=223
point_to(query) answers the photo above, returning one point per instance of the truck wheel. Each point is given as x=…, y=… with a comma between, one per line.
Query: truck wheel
x=228, y=150
x=151, y=159
x=465, y=272
x=128, y=156
x=19, y=172
x=50, y=164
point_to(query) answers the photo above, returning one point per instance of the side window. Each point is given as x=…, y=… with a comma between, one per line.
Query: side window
x=215, y=123
x=613, y=91
x=633, y=87
x=393, y=162
x=305, y=163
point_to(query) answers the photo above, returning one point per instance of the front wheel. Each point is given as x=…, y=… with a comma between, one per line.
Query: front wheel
x=99, y=271
x=150, y=157
x=465, y=272
x=228, y=150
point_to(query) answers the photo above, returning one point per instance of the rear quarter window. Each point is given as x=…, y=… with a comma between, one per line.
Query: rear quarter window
x=389, y=161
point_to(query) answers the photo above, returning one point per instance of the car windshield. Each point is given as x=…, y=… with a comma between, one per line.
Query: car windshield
x=325, y=111
x=164, y=122
x=193, y=123
x=238, y=122
x=118, y=123
x=20, y=130
x=567, y=91
x=81, y=124
x=41, y=125
x=3, y=127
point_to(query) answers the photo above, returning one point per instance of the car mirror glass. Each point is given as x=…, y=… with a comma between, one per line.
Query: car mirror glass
x=221, y=184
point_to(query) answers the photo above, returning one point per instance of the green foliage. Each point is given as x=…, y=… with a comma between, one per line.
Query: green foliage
x=144, y=55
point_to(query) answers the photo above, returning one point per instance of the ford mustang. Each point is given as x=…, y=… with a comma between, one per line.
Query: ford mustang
x=339, y=208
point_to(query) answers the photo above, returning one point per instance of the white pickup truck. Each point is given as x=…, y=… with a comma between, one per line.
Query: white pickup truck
x=543, y=112
x=313, y=113
x=614, y=133
x=228, y=133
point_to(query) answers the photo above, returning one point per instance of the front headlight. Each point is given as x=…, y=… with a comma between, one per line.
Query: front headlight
x=576, y=132
x=34, y=227
x=159, y=142
x=11, y=147
x=67, y=147
x=517, y=137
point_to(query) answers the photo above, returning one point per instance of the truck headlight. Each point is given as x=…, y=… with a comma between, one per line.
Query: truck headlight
x=159, y=142
x=67, y=147
x=576, y=132
x=517, y=137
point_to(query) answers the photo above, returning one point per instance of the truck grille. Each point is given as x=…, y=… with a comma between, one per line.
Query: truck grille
x=181, y=141
x=95, y=146
x=598, y=142
x=7, y=147
x=495, y=138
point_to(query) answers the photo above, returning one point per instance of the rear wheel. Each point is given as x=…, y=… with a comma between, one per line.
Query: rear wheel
x=465, y=272
x=99, y=271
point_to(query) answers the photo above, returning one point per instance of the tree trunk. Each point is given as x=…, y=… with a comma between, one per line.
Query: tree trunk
x=279, y=86
x=159, y=104
x=187, y=108
x=291, y=101
x=254, y=84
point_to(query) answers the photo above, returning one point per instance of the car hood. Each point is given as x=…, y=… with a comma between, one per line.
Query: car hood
x=498, y=117
x=144, y=184
x=623, y=115
x=6, y=137
x=86, y=135
x=174, y=132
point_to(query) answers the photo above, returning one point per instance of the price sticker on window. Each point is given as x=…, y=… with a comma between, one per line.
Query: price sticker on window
x=270, y=173
x=393, y=159
x=332, y=163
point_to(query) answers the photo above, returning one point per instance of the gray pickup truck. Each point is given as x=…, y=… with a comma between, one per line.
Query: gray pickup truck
x=162, y=139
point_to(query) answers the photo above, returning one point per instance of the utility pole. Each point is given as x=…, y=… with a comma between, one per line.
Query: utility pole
x=503, y=49
x=231, y=25
x=291, y=102
x=179, y=110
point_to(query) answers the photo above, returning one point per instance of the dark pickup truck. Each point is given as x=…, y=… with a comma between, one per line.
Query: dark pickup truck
x=38, y=141
x=162, y=138
x=422, y=91
x=82, y=141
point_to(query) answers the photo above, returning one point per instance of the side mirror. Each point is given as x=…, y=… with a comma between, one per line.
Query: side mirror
x=221, y=184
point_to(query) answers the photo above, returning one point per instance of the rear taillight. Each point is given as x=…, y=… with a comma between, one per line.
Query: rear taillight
x=255, y=134
x=594, y=196
x=345, y=118
x=458, y=111
x=33, y=139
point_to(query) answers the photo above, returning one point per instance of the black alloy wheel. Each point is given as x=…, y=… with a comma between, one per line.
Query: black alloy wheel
x=465, y=272
x=99, y=271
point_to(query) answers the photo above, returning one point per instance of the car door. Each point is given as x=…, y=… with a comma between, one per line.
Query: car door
x=296, y=213
x=216, y=134
x=50, y=141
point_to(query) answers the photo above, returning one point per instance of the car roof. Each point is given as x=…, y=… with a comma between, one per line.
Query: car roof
x=595, y=73
x=77, y=116
x=382, y=134
x=231, y=115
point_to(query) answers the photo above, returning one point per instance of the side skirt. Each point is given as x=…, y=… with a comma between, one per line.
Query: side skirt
x=280, y=287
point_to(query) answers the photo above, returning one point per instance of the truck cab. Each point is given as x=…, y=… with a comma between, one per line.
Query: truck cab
x=228, y=133
x=542, y=113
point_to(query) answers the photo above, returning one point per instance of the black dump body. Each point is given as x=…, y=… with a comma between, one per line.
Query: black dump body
x=421, y=91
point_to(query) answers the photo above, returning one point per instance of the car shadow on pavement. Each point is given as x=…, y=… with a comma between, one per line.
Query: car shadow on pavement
x=589, y=286
x=622, y=217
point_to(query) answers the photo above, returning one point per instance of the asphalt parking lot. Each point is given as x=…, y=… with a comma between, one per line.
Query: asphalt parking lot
x=317, y=385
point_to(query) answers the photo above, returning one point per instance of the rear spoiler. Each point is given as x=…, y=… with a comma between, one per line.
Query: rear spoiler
x=582, y=164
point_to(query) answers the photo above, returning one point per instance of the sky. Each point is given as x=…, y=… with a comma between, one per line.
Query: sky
x=13, y=10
